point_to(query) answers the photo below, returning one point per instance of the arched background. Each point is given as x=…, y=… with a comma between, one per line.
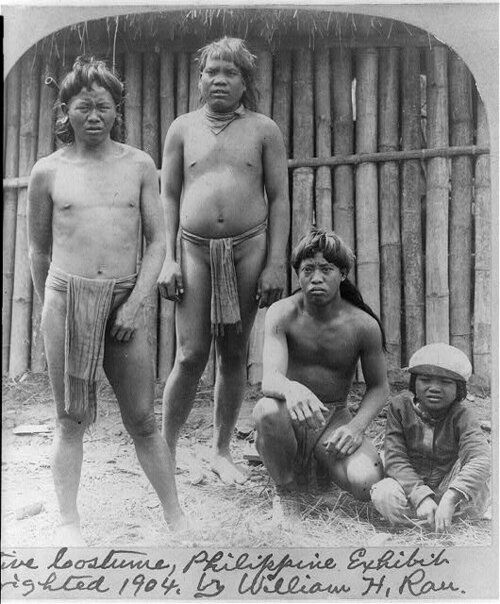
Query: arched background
x=422, y=288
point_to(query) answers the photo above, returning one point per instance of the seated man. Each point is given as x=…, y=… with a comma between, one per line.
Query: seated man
x=437, y=460
x=313, y=341
x=86, y=202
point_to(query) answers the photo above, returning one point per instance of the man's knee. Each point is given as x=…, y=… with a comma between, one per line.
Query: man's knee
x=267, y=416
x=140, y=425
x=363, y=471
x=390, y=501
x=192, y=359
x=70, y=429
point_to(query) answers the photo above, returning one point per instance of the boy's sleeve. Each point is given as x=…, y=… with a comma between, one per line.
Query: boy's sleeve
x=397, y=461
x=474, y=455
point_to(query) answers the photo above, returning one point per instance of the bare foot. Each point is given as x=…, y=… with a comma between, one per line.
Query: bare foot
x=227, y=470
x=69, y=535
x=286, y=511
x=178, y=522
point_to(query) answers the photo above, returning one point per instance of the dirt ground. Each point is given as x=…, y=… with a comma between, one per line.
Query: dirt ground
x=118, y=507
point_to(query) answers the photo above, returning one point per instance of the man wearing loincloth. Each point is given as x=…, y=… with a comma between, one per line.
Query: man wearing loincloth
x=224, y=180
x=86, y=203
x=313, y=341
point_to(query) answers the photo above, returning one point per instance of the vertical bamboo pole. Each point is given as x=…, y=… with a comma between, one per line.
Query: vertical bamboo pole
x=166, y=346
x=64, y=65
x=282, y=97
x=411, y=221
x=367, y=239
x=436, y=249
x=151, y=144
x=45, y=147
x=20, y=335
x=264, y=85
x=460, y=258
x=10, y=205
x=194, y=78
x=323, y=136
x=482, y=264
x=390, y=241
x=182, y=88
x=303, y=143
x=343, y=144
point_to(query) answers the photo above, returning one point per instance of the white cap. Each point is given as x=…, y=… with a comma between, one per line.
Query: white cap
x=441, y=359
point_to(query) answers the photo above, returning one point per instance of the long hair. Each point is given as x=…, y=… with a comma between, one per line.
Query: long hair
x=234, y=50
x=87, y=71
x=338, y=253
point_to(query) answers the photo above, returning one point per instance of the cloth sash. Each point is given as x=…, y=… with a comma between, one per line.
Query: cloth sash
x=218, y=121
x=88, y=306
x=224, y=303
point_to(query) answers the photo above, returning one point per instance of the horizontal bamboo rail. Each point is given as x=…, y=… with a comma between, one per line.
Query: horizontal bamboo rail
x=340, y=160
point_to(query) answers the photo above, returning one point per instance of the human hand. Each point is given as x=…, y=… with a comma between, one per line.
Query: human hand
x=270, y=284
x=170, y=282
x=304, y=406
x=426, y=510
x=124, y=323
x=445, y=511
x=345, y=440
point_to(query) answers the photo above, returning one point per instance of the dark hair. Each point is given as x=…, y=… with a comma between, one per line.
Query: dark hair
x=235, y=50
x=85, y=72
x=461, y=388
x=338, y=253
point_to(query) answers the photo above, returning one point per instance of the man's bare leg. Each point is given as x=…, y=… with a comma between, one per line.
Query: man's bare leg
x=67, y=454
x=130, y=370
x=231, y=360
x=194, y=338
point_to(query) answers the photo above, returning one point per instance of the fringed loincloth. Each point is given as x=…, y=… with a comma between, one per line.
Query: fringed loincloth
x=88, y=306
x=305, y=465
x=224, y=304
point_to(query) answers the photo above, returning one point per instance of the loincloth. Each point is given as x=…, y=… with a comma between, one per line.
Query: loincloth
x=224, y=303
x=305, y=465
x=88, y=306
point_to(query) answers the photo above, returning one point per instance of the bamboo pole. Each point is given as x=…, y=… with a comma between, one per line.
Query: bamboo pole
x=166, y=346
x=20, y=335
x=390, y=239
x=182, y=88
x=133, y=99
x=436, y=249
x=343, y=144
x=282, y=97
x=151, y=144
x=13, y=96
x=194, y=78
x=323, y=137
x=48, y=97
x=367, y=239
x=411, y=221
x=460, y=256
x=264, y=83
x=482, y=264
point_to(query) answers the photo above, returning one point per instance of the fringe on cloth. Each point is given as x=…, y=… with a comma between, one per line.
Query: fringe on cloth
x=225, y=305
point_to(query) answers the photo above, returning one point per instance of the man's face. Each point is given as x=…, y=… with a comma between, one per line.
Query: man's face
x=435, y=393
x=319, y=279
x=221, y=85
x=92, y=114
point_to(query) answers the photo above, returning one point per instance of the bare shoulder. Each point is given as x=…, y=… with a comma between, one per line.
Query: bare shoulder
x=283, y=312
x=46, y=167
x=264, y=124
x=366, y=326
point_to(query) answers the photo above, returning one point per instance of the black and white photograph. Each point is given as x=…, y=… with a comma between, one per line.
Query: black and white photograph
x=250, y=301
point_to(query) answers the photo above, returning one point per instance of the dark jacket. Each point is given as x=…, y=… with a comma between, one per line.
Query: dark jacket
x=419, y=454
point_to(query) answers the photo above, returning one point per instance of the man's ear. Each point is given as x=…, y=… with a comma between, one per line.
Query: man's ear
x=64, y=108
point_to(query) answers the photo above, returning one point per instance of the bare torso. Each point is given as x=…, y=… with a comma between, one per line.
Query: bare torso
x=96, y=212
x=323, y=356
x=223, y=184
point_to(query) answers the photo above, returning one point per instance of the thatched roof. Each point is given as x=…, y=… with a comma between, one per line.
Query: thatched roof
x=188, y=29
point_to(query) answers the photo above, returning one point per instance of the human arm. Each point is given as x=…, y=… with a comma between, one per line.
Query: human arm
x=346, y=439
x=302, y=404
x=153, y=231
x=39, y=214
x=170, y=283
x=272, y=279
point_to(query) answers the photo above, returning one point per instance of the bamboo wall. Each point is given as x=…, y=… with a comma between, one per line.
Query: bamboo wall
x=419, y=221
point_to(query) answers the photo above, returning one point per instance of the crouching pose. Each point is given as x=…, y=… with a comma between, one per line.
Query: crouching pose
x=437, y=459
x=313, y=341
x=86, y=202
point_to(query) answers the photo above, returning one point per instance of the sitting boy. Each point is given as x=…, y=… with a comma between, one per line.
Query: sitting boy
x=437, y=460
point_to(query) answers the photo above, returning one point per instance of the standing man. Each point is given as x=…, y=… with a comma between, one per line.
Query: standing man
x=85, y=204
x=313, y=341
x=225, y=182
